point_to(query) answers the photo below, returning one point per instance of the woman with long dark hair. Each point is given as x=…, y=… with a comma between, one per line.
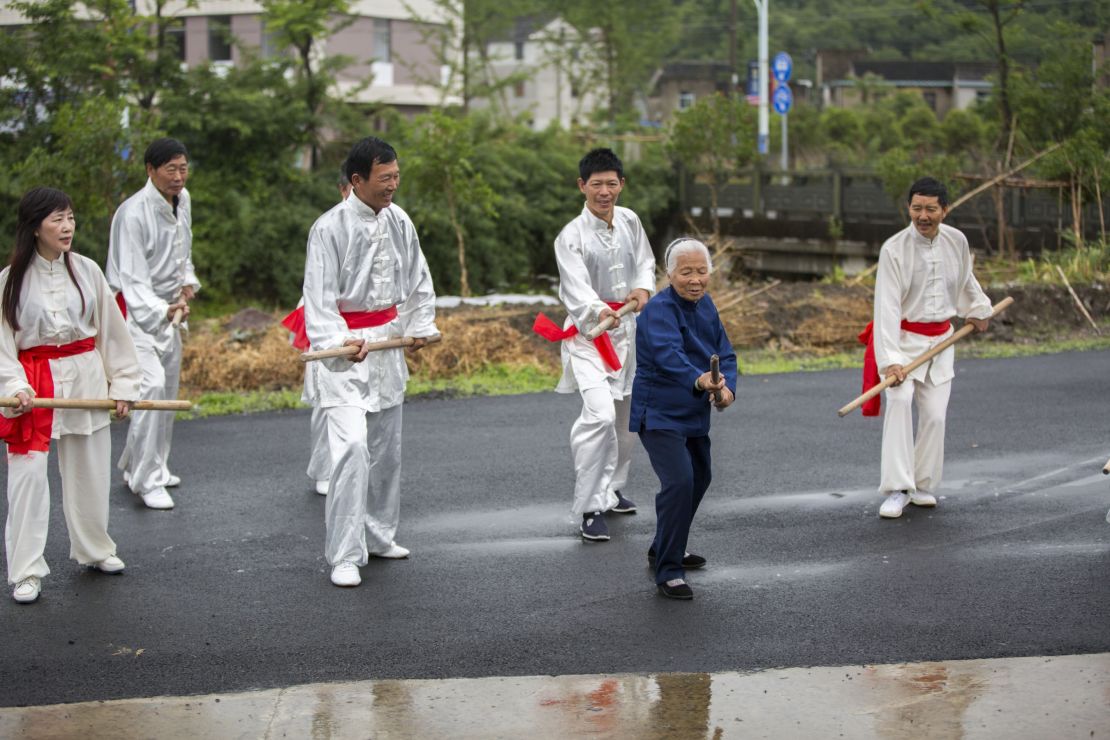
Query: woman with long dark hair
x=61, y=336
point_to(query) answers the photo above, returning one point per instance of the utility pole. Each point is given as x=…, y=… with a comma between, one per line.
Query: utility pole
x=733, y=75
x=764, y=68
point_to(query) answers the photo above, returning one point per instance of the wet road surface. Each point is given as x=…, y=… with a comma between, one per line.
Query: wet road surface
x=230, y=592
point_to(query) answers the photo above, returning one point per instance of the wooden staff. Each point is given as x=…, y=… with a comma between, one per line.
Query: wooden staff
x=178, y=315
x=1106, y=468
x=351, y=349
x=715, y=373
x=607, y=323
x=97, y=404
x=878, y=388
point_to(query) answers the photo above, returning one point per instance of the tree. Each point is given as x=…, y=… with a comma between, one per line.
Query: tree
x=301, y=25
x=714, y=138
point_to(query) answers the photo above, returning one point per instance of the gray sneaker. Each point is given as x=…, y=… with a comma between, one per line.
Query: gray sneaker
x=594, y=527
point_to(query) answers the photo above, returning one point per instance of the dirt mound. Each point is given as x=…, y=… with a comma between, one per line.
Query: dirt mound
x=251, y=350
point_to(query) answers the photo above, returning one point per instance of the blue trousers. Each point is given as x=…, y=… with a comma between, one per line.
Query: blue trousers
x=684, y=467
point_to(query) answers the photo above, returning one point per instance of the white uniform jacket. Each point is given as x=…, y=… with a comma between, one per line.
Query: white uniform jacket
x=50, y=313
x=599, y=264
x=150, y=259
x=361, y=261
x=923, y=281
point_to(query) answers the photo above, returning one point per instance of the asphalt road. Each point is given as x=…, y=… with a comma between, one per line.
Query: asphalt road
x=230, y=591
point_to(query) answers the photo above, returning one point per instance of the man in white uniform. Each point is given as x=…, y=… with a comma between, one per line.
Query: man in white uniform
x=366, y=280
x=924, y=279
x=604, y=260
x=150, y=267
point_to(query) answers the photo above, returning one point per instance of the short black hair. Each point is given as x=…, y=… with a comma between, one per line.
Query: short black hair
x=365, y=154
x=930, y=187
x=161, y=151
x=600, y=160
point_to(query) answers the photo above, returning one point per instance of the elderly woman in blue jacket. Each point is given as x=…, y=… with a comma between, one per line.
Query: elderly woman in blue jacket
x=676, y=335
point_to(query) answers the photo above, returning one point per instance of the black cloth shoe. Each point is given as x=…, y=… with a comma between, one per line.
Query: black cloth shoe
x=624, y=506
x=594, y=527
x=689, y=561
x=680, y=590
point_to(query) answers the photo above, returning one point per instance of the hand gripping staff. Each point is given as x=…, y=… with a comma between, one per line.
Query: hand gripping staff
x=351, y=349
x=607, y=323
x=929, y=354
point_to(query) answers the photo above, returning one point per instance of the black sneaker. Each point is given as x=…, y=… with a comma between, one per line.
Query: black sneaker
x=624, y=506
x=676, y=589
x=594, y=527
x=689, y=561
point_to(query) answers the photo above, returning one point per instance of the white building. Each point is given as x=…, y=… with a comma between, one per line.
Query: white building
x=391, y=42
x=550, y=72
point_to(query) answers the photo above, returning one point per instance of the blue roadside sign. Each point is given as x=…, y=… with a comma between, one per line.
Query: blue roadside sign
x=782, y=99
x=782, y=66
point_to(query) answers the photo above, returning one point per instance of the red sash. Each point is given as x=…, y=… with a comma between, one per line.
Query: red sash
x=870, y=366
x=31, y=431
x=121, y=303
x=552, y=332
x=294, y=322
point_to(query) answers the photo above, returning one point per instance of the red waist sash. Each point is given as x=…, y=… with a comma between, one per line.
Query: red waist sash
x=294, y=322
x=552, y=332
x=870, y=367
x=31, y=431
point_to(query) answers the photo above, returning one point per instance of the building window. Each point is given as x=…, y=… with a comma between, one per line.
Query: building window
x=981, y=96
x=930, y=100
x=383, y=41
x=574, y=90
x=219, y=38
x=518, y=88
x=518, y=51
x=175, y=39
x=685, y=99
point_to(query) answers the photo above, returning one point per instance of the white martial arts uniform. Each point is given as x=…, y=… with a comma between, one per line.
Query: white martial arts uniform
x=50, y=314
x=319, y=461
x=361, y=261
x=150, y=262
x=920, y=281
x=599, y=264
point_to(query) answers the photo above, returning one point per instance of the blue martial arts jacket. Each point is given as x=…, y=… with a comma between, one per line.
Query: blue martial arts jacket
x=674, y=341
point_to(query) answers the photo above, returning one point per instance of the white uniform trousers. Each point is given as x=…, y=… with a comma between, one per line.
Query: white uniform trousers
x=364, y=497
x=319, y=462
x=909, y=464
x=83, y=460
x=145, y=456
x=602, y=448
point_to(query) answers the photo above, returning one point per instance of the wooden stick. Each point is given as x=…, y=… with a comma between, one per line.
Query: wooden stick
x=715, y=374
x=1079, y=303
x=607, y=323
x=97, y=404
x=1106, y=468
x=878, y=388
x=745, y=296
x=350, y=350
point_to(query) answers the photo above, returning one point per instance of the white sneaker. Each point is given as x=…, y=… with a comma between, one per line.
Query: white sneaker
x=346, y=574
x=173, y=481
x=923, y=498
x=159, y=498
x=892, y=507
x=322, y=487
x=395, y=552
x=27, y=590
x=110, y=564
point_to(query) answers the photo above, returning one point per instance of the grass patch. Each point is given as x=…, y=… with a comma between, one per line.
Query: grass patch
x=769, y=363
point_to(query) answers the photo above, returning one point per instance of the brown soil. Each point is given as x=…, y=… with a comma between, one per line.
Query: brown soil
x=251, y=351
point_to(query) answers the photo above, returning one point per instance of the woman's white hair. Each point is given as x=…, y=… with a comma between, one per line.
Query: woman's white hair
x=685, y=245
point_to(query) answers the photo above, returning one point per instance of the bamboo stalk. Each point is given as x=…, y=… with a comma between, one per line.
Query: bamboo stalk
x=350, y=350
x=97, y=404
x=920, y=360
x=1078, y=303
x=994, y=180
